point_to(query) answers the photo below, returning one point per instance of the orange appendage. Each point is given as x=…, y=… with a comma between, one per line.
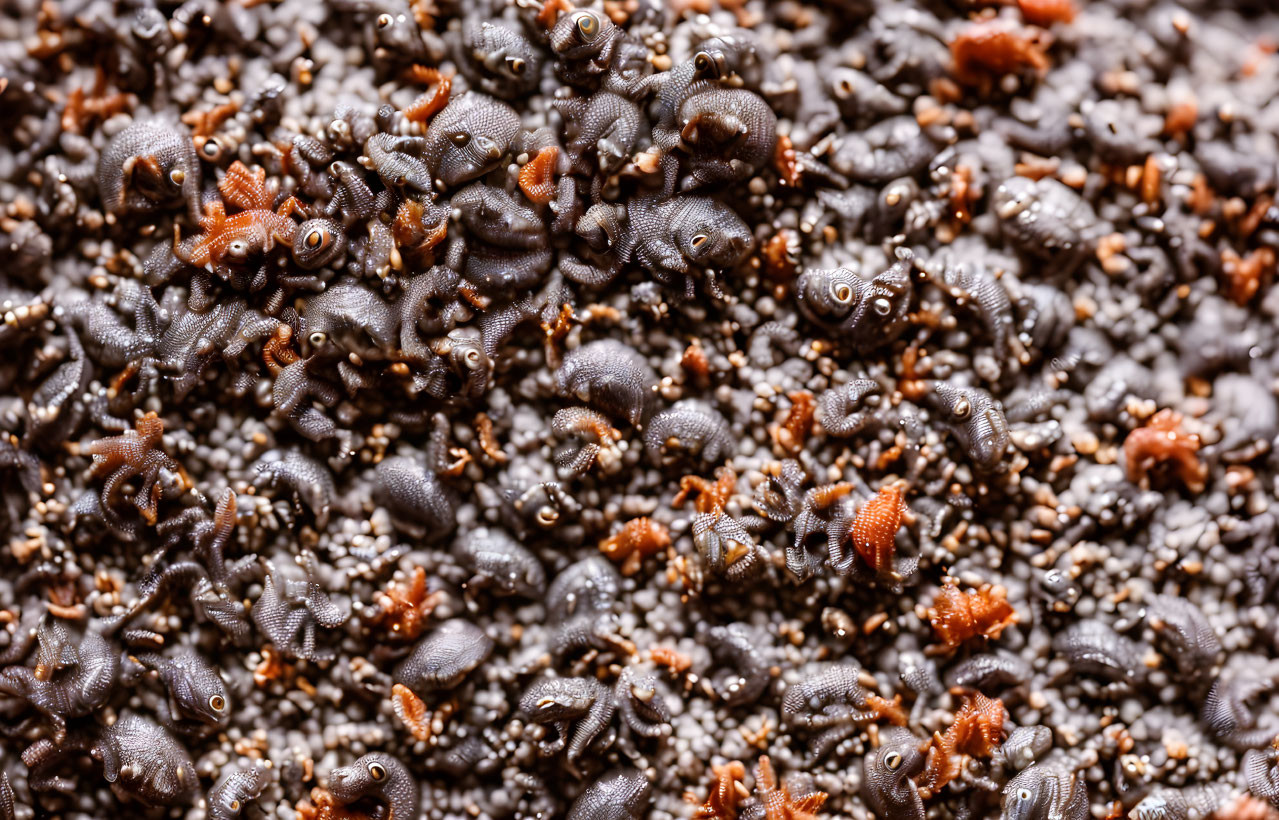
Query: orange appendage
x=436, y=97
x=977, y=729
x=798, y=423
x=875, y=528
x=488, y=441
x=254, y=230
x=1046, y=12
x=410, y=231
x=1245, y=275
x=671, y=658
x=405, y=606
x=638, y=539
x=411, y=711
x=324, y=806
x=887, y=710
x=278, y=352
x=781, y=254
x=708, y=496
x=722, y=800
x=551, y=11
x=135, y=454
x=786, y=162
x=959, y=616
x=777, y=800
x=997, y=47
x=694, y=362
x=1160, y=441
x=537, y=177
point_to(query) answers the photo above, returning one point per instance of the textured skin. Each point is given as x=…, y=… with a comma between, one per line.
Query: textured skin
x=70, y=679
x=289, y=612
x=417, y=500
x=842, y=409
x=610, y=377
x=1095, y=649
x=499, y=562
x=1262, y=773
x=1024, y=746
x=350, y=318
x=866, y=313
x=585, y=42
x=728, y=134
x=319, y=242
x=381, y=777
x=886, y=776
x=832, y=706
x=892, y=148
x=1191, y=803
x=1047, y=221
x=198, y=699
x=747, y=674
x=444, y=657
x=561, y=702
x=467, y=139
x=688, y=430
x=1046, y=791
x=603, y=126
x=126, y=185
x=620, y=794
x=1227, y=709
x=976, y=420
x=580, y=606
x=499, y=60
x=309, y=482
x=230, y=796
x=989, y=672
x=1183, y=632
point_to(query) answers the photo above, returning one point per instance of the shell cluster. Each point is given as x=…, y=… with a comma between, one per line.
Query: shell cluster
x=704, y=408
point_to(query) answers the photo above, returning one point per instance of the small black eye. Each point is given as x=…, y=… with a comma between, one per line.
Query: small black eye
x=377, y=771
x=460, y=139
x=318, y=338
x=211, y=149
x=589, y=25
x=702, y=62
x=518, y=66
x=893, y=761
x=384, y=20
x=882, y=306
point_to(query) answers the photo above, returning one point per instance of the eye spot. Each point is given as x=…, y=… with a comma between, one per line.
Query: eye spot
x=962, y=409
x=841, y=292
x=211, y=149
x=700, y=240
x=217, y=703
x=1023, y=794
x=518, y=66
x=317, y=238
x=177, y=176
x=882, y=306
x=384, y=21
x=318, y=338
x=893, y=761
x=234, y=806
x=588, y=25
x=377, y=771
x=460, y=139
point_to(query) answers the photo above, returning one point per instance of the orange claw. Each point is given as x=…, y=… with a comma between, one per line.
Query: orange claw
x=537, y=179
x=958, y=616
x=433, y=101
x=977, y=729
x=1162, y=439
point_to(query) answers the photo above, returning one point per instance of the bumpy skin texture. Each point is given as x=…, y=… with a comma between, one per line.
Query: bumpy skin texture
x=198, y=699
x=499, y=562
x=688, y=429
x=621, y=794
x=232, y=794
x=289, y=612
x=747, y=673
x=71, y=678
x=832, y=704
x=580, y=606
x=417, y=500
x=889, y=149
x=604, y=128
x=467, y=139
x=380, y=777
x=1182, y=804
x=887, y=787
x=1046, y=790
x=728, y=133
x=866, y=313
x=610, y=377
x=444, y=657
x=147, y=166
x=1047, y=221
x=499, y=59
x=976, y=419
